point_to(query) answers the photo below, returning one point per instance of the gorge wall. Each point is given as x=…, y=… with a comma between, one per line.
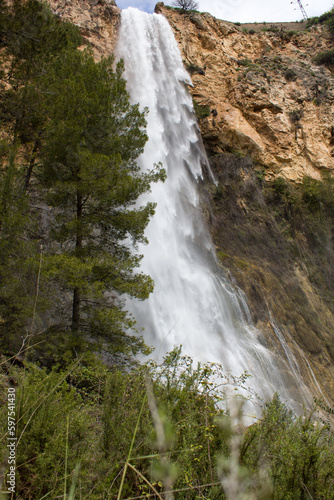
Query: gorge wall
x=267, y=115
x=266, y=96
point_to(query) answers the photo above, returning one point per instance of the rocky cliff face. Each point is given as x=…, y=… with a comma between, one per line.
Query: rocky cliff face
x=98, y=21
x=266, y=96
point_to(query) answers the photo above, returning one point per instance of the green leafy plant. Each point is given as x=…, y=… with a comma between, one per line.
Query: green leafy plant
x=176, y=435
x=325, y=58
x=294, y=449
x=201, y=111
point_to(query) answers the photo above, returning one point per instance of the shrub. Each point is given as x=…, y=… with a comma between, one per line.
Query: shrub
x=296, y=115
x=193, y=68
x=52, y=422
x=327, y=18
x=201, y=111
x=312, y=22
x=290, y=75
x=245, y=62
x=325, y=58
x=297, y=452
x=89, y=417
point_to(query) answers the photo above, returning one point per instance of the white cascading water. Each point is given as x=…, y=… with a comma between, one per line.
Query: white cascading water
x=193, y=304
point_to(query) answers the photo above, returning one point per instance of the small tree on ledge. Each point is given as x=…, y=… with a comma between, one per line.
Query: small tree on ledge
x=185, y=5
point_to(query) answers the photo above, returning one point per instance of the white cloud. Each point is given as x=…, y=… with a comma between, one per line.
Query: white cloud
x=262, y=10
x=246, y=10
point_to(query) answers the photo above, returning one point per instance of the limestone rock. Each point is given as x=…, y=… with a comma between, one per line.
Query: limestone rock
x=98, y=21
x=256, y=83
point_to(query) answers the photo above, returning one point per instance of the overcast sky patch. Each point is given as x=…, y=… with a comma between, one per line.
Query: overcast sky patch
x=247, y=10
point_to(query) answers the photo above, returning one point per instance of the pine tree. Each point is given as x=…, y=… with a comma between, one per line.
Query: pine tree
x=31, y=35
x=92, y=181
x=72, y=138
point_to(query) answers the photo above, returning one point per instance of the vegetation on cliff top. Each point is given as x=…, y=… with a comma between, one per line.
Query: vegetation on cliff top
x=327, y=19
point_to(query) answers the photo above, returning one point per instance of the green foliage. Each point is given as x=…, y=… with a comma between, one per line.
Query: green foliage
x=92, y=182
x=315, y=195
x=34, y=33
x=245, y=62
x=19, y=251
x=84, y=420
x=325, y=58
x=312, y=21
x=201, y=111
x=297, y=452
x=272, y=29
x=45, y=403
x=327, y=18
x=238, y=481
x=280, y=185
x=71, y=143
x=187, y=398
x=306, y=210
x=32, y=37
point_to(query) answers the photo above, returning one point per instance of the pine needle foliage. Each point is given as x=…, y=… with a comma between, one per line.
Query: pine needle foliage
x=92, y=182
x=70, y=183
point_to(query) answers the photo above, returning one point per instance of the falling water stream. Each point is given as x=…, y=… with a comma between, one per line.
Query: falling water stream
x=193, y=303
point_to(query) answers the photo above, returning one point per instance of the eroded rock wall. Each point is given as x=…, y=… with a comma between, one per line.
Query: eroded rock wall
x=98, y=21
x=266, y=96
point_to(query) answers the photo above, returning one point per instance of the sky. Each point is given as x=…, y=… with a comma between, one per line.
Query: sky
x=244, y=11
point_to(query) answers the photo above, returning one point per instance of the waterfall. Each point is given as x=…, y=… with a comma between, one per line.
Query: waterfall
x=193, y=303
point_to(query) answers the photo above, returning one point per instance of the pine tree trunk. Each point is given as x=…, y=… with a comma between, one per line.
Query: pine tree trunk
x=78, y=246
x=32, y=162
x=76, y=310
